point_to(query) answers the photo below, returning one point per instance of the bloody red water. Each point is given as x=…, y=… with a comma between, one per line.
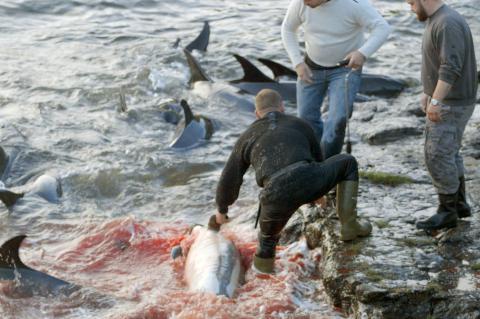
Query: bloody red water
x=129, y=261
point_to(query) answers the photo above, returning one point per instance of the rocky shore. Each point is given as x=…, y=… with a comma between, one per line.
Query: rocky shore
x=399, y=271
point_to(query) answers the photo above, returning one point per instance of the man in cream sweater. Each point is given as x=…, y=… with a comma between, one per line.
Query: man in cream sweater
x=334, y=32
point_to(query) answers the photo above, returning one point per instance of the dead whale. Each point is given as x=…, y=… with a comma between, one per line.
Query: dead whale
x=212, y=263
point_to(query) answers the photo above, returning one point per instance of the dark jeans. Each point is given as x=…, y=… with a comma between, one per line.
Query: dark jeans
x=284, y=194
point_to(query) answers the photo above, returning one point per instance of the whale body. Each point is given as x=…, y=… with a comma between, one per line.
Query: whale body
x=285, y=81
x=192, y=130
x=28, y=280
x=45, y=186
x=222, y=92
x=212, y=263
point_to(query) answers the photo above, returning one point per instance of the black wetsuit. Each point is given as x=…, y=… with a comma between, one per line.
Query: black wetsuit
x=286, y=157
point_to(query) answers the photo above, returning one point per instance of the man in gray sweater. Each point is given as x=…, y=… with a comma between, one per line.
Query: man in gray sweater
x=449, y=78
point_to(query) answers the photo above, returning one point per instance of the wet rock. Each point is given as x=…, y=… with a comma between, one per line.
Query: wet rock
x=428, y=261
x=472, y=144
x=415, y=110
x=467, y=308
x=297, y=224
x=382, y=131
x=399, y=272
x=366, y=117
x=313, y=235
x=293, y=229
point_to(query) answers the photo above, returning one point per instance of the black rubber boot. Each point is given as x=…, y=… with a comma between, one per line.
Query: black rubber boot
x=446, y=216
x=463, y=209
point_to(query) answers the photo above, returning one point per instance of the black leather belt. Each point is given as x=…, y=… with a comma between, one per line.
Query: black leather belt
x=285, y=170
x=315, y=66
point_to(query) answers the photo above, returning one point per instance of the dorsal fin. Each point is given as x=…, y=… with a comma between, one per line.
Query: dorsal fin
x=196, y=72
x=9, y=198
x=176, y=43
x=277, y=68
x=3, y=161
x=201, y=42
x=187, y=111
x=122, y=104
x=9, y=253
x=250, y=72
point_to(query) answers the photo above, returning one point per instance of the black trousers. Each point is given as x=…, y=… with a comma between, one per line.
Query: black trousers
x=284, y=194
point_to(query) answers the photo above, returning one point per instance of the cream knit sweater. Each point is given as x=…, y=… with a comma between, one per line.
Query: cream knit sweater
x=332, y=30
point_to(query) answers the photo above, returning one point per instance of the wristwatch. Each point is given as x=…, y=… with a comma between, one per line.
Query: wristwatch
x=435, y=102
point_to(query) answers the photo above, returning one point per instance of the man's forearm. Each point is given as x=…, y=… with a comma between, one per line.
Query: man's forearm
x=290, y=25
x=441, y=90
x=290, y=42
x=376, y=39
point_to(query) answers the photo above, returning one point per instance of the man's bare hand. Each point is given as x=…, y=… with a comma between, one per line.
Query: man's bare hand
x=304, y=73
x=356, y=60
x=322, y=202
x=424, y=101
x=433, y=113
x=221, y=218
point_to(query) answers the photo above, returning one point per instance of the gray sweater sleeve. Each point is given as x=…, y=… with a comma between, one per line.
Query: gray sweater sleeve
x=452, y=52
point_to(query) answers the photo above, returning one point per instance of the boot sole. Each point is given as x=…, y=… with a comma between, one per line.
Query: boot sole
x=448, y=225
x=352, y=237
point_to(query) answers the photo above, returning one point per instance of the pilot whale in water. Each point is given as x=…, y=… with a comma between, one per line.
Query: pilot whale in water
x=212, y=263
x=28, y=280
x=222, y=92
x=193, y=129
x=45, y=186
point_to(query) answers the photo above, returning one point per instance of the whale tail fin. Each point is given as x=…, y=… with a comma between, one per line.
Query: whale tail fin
x=9, y=257
x=9, y=198
x=201, y=41
x=278, y=69
x=196, y=72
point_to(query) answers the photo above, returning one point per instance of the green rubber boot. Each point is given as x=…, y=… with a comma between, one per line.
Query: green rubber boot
x=351, y=228
x=263, y=265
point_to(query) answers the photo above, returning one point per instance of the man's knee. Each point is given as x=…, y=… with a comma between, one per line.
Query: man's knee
x=349, y=165
x=340, y=126
x=352, y=169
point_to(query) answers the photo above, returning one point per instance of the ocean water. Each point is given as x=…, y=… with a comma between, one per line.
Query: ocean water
x=63, y=65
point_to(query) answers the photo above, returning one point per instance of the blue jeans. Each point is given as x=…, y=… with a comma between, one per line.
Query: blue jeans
x=310, y=98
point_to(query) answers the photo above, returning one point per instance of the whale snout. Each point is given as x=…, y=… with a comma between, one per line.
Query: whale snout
x=47, y=187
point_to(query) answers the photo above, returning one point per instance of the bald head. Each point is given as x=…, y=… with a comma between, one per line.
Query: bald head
x=268, y=100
